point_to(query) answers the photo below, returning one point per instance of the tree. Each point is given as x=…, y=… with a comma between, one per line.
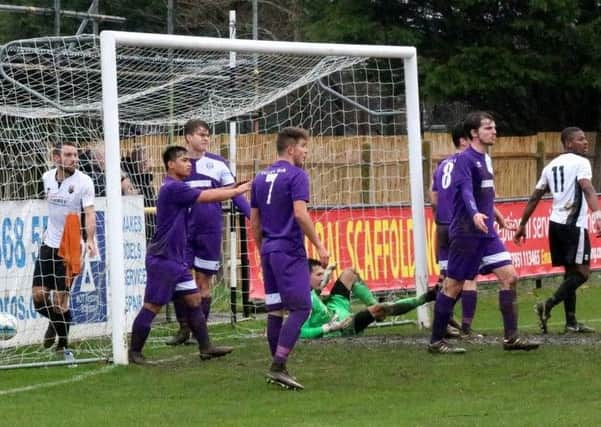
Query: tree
x=536, y=64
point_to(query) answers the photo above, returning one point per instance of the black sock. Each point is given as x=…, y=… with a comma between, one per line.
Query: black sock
x=61, y=322
x=43, y=307
x=569, y=305
x=362, y=320
x=569, y=285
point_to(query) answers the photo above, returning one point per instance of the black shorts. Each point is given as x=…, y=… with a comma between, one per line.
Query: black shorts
x=340, y=289
x=50, y=270
x=569, y=245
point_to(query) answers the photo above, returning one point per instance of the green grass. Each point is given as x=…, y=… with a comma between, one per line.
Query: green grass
x=376, y=380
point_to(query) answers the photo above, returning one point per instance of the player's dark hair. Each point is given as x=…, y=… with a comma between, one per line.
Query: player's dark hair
x=172, y=153
x=289, y=136
x=458, y=132
x=59, y=145
x=192, y=125
x=312, y=262
x=567, y=133
x=473, y=121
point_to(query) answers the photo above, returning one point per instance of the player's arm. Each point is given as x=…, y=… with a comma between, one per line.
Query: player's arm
x=242, y=204
x=433, y=193
x=463, y=176
x=306, y=224
x=433, y=200
x=311, y=332
x=255, y=226
x=591, y=198
x=90, y=215
x=223, y=193
x=503, y=223
x=535, y=197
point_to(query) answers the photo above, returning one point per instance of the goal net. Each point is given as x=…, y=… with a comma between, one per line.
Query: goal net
x=122, y=104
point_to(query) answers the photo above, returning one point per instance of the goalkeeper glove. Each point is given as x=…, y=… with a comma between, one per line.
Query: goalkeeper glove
x=326, y=275
x=336, y=325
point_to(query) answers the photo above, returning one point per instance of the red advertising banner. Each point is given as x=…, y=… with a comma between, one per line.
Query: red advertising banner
x=378, y=242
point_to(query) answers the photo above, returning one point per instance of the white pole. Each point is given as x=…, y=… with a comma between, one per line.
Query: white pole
x=416, y=185
x=114, y=209
x=261, y=46
x=232, y=160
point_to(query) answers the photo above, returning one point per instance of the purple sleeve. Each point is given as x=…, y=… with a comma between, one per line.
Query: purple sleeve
x=435, y=178
x=299, y=186
x=462, y=175
x=242, y=204
x=253, y=196
x=182, y=194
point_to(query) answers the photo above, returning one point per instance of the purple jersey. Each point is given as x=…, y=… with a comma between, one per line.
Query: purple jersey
x=211, y=171
x=473, y=192
x=442, y=185
x=173, y=204
x=273, y=192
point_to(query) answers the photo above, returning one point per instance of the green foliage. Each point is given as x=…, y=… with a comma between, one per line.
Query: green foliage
x=536, y=64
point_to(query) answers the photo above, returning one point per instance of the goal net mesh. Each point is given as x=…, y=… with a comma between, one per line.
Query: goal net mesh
x=51, y=92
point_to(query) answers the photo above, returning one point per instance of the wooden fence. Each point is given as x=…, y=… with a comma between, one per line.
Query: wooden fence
x=374, y=169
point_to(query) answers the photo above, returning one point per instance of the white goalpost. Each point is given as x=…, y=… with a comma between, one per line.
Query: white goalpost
x=121, y=98
x=109, y=42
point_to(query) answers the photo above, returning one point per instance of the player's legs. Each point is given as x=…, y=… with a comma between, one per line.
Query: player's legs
x=570, y=248
x=569, y=302
x=442, y=242
x=162, y=278
x=401, y=306
x=291, y=278
x=190, y=295
x=49, y=281
x=206, y=249
x=204, y=254
x=498, y=261
x=469, y=301
x=464, y=260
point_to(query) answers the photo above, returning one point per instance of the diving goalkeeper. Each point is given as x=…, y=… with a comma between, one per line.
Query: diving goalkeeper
x=331, y=316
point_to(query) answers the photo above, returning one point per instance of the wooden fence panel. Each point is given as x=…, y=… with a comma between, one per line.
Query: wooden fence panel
x=374, y=169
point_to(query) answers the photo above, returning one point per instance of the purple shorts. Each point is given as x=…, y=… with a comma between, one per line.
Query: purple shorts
x=469, y=256
x=286, y=280
x=204, y=252
x=164, y=278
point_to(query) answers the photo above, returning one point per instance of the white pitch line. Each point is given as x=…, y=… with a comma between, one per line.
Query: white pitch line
x=79, y=377
x=74, y=379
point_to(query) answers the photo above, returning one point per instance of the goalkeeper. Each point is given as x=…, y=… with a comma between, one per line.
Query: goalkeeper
x=331, y=316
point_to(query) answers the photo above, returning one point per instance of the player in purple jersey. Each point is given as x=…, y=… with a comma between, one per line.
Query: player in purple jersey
x=568, y=179
x=474, y=245
x=441, y=198
x=279, y=221
x=206, y=219
x=168, y=276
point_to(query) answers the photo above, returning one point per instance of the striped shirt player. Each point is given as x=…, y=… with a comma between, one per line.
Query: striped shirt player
x=68, y=191
x=568, y=178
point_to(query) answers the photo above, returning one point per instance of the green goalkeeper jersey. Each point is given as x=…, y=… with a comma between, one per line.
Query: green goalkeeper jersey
x=322, y=312
x=320, y=315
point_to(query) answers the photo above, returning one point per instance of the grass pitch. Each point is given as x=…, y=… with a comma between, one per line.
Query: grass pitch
x=384, y=378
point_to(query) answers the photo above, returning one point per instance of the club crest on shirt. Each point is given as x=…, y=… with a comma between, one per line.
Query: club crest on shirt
x=478, y=164
x=71, y=189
